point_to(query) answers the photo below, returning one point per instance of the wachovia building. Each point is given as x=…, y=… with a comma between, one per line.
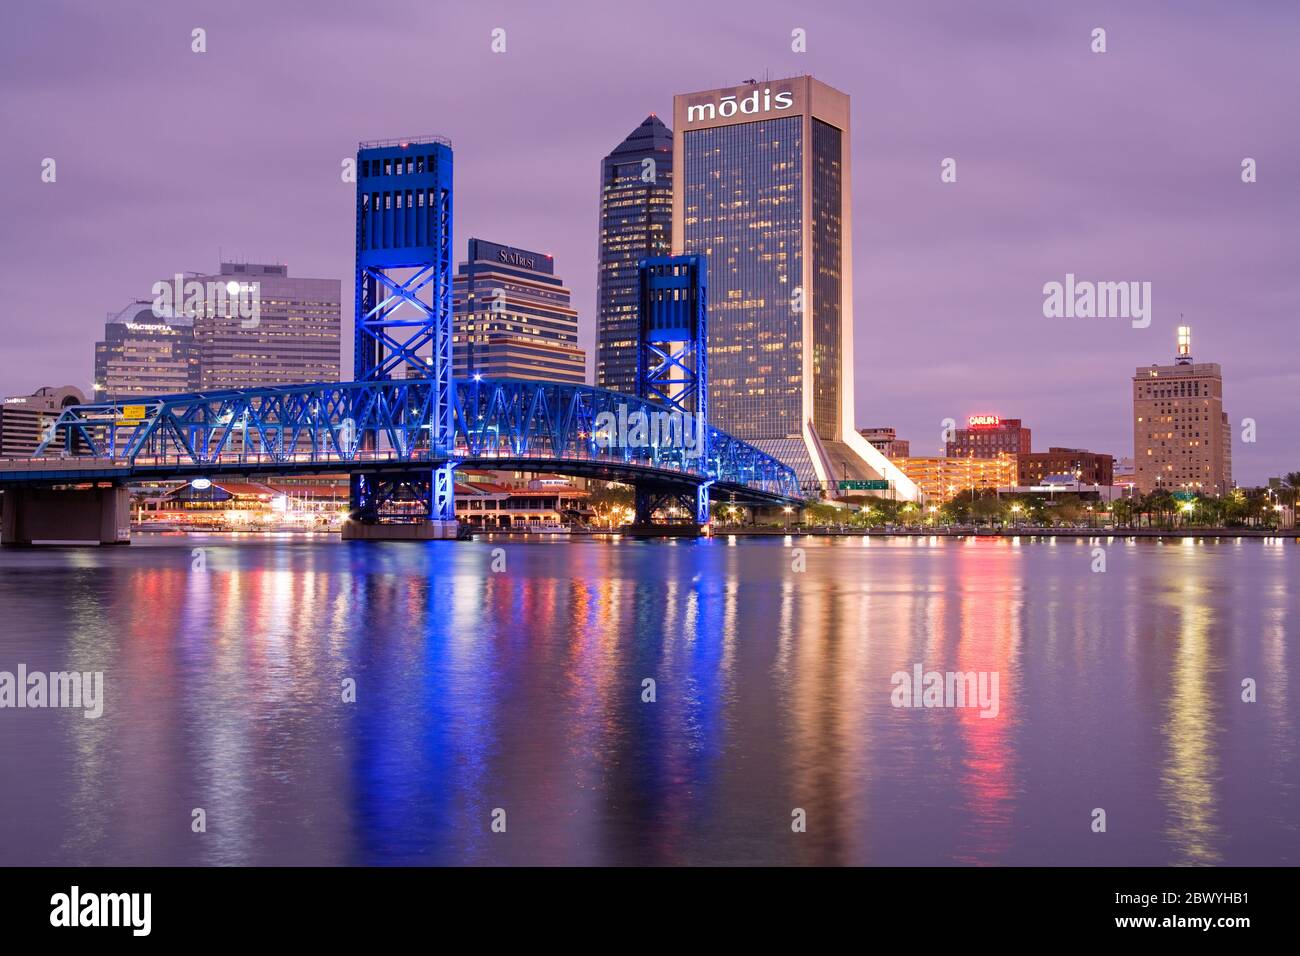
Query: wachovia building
x=762, y=188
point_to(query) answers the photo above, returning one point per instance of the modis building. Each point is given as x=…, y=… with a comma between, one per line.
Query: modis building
x=762, y=188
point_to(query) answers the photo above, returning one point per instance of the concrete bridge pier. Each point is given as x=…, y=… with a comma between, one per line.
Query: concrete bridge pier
x=354, y=530
x=67, y=516
x=405, y=506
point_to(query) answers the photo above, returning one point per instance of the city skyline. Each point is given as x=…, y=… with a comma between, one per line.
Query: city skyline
x=948, y=274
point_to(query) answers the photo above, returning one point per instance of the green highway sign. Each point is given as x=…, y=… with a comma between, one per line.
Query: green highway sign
x=873, y=484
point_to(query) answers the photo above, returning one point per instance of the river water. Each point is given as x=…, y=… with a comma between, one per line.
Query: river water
x=505, y=680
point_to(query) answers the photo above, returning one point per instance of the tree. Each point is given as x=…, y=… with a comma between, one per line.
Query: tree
x=822, y=514
x=612, y=503
x=1160, y=503
x=1067, y=511
x=1291, y=482
x=1124, y=511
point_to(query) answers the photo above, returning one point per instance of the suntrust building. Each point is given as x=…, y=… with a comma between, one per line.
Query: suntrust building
x=762, y=189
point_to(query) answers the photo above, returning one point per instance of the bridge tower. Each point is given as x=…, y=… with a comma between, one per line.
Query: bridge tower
x=672, y=362
x=403, y=333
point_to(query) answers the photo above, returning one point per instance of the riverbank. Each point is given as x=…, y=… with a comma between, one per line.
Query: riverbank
x=775, y=532
x=954, y=532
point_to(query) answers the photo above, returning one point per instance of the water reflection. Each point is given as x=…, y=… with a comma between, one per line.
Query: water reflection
x=524, y=689
x=1189, y=777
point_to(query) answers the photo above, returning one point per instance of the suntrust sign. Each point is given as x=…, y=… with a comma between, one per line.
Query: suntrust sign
x=756, y=101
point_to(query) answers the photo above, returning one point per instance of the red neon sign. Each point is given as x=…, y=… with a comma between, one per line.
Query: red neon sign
x=984, y=421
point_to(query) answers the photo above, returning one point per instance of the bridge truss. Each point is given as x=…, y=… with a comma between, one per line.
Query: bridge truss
x=382, y=431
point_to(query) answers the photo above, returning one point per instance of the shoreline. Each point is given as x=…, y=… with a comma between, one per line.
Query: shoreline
x=755, y=532
x=1017, y=533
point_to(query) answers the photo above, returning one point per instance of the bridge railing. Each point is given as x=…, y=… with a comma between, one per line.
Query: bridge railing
x=358, y=423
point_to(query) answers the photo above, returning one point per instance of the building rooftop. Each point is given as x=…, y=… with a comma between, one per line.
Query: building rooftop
x=407, y=141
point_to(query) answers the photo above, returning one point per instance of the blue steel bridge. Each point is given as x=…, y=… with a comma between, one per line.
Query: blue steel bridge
x=384, y=429
x=405, y=424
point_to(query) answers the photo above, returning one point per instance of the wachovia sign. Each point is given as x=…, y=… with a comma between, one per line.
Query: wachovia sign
x=757, y=101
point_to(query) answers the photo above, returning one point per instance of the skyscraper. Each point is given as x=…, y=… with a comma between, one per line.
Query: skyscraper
x=1181, y=437
x=144, y=352
x=762, y=188
x=636, y=194
x=511, y=317
x=293, y=337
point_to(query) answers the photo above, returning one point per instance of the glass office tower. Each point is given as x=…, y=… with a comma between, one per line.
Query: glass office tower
x=636, y=195
x=761, y=188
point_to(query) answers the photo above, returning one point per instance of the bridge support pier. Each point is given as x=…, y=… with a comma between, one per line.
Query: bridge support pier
x=375, y=497
x=73, y=516
x=649, y=500
x=404, y=531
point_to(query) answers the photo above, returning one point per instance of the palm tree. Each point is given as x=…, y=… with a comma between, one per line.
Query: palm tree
x=1123, y=511
x=1161, y=502
x=1291, y=481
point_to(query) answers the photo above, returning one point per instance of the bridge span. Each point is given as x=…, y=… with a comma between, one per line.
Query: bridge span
x=406, y=423
x=382, y=434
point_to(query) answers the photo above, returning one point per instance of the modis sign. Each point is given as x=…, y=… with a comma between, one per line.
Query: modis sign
x=764, y=101
x=984, y=421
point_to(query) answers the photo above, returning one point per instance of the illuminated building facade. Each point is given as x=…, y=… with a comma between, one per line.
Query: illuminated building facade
x=1181, y=437
x=293, y=337
x=143, y=353
x=24, y=418
x=987, y=436
x=491, y=500
x=1084, y=467
x=762, y=188
x=941, y=479
x=636, y=196
x=511, y=317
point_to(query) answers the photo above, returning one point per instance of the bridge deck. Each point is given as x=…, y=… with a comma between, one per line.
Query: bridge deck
x=378, y=427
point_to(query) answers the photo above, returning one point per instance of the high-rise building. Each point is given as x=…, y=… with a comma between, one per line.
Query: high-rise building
x=511, y=317
x=25, y=418
x=636, y=195
x=762, y=188
x=146, y=351
x=886, y=441
x=1181, y=437
x=1084, y=467
x=987, y=436
x=291, y=335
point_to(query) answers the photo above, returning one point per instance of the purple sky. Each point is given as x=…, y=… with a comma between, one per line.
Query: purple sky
x=1119, y=166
